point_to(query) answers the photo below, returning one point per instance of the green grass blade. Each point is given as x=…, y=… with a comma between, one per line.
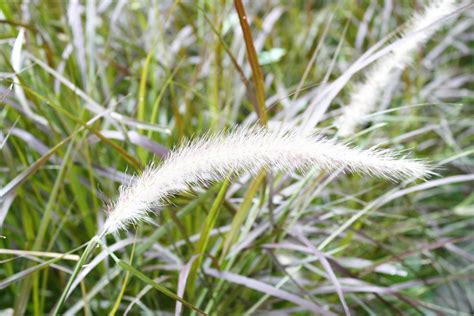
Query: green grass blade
x=242, y=213
x=205, y=235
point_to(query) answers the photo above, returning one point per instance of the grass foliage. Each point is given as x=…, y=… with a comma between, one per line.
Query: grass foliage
x=93, y=92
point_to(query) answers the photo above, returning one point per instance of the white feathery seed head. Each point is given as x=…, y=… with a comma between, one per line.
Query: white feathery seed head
x=214, y=157
x=365, y=95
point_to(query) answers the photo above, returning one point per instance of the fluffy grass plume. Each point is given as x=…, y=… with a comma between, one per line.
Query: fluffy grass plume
x=365, y=95
x=214, y=157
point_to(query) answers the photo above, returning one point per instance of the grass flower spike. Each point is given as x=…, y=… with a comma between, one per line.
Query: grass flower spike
x=214, y=157
x=365, y=95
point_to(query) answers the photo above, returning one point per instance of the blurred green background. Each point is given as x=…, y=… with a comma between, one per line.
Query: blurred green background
x=92, y=92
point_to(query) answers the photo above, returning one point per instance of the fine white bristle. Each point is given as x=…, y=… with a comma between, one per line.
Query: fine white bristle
x=364, y=98
x=215, y=157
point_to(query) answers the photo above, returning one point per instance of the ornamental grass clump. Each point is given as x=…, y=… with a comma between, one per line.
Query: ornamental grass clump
x=94, y=88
